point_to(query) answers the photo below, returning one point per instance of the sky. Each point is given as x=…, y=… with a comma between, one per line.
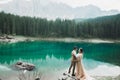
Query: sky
x=103, y=4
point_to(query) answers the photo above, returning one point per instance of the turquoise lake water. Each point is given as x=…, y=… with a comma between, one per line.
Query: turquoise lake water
x=55, y=56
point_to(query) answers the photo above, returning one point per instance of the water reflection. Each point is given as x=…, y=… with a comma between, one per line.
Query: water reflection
x=53, y=58
x=52, y=63
x=106, y=52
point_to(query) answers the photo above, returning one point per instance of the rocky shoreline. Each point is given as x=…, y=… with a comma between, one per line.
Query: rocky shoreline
x=69, y=77
x=14, y=39
x=53, y=76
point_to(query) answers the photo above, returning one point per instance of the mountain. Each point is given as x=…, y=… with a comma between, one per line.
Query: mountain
x=52, y=10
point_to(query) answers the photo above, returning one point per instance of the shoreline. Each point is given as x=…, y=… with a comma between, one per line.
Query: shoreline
x=15, y=39
x=55, y=76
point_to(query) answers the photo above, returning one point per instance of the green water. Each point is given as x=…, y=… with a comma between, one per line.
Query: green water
x=55, y=56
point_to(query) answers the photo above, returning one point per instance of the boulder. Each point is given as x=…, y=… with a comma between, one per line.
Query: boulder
x=25, y=66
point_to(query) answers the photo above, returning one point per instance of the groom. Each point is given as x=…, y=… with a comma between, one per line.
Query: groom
x=73, y=61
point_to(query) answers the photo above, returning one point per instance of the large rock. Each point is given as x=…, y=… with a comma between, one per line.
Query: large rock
x=25, y=66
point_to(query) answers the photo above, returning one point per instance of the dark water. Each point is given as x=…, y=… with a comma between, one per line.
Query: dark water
x=56, y=55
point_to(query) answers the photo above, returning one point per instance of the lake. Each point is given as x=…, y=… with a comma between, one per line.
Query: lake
x=50, y=58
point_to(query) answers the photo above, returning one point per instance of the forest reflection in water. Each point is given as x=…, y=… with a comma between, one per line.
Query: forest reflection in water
x=50, y=57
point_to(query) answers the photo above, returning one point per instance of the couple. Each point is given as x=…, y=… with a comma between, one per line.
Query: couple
x=76, y=62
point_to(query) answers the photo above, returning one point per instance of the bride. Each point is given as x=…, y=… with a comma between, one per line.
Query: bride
x=80, y=73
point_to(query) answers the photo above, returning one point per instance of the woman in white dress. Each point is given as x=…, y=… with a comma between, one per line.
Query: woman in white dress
x=80, y=73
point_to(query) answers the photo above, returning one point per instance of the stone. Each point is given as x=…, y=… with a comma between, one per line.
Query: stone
x=24, y=66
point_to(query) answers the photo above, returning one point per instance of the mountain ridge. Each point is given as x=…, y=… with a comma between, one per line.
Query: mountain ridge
x=51, y=10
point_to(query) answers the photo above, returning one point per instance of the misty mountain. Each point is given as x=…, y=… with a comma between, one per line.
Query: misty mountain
x=52, y=10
